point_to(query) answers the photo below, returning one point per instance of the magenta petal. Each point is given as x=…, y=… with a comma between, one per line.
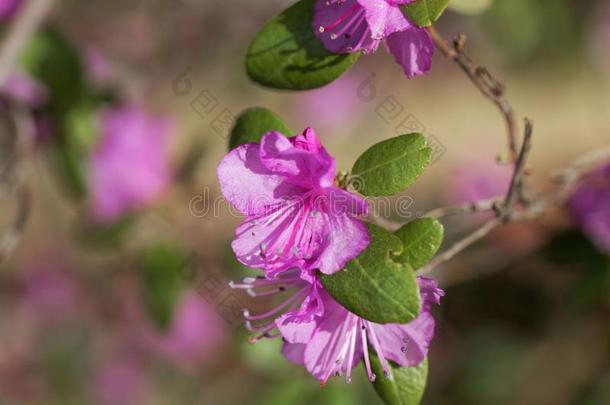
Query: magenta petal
x=294, y=352
x=412, y=49
x=301, y=159
x=298, y=326
x=384, y=18
x=347, y=238
x=342, y=26
x=247, y=184
x=288, y=237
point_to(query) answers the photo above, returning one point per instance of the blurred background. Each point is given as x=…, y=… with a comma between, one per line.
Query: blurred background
x=115, y=241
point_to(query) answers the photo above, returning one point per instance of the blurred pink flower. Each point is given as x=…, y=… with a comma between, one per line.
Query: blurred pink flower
x=590, y=207
x=49, y=293
x=196, y=331
x=477, y=179
x=130, y=165
x=8, y=8
x=97, y=66
x=119, y=381
x=23, y=89
x=332, y=106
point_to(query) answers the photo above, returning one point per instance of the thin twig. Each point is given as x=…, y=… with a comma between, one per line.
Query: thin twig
x=487, y=205
x=491, y=88
x=459, y=246
x=21, y=30
x=515, y=191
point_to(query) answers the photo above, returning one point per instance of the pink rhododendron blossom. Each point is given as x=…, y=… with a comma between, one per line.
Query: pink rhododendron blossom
x=334, y=107
x=341, y=339
x=590, y=206
x=8, y=8
x=196, y=331
x=346, y=26
x=328, y=339
x=295, y=215
x=23, y=89
x=119, y=381
x=477, y=179
x=130, y=165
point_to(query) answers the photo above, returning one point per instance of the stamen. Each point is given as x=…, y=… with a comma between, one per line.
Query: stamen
x=375, y=341
x=351, y=353
x=300, y=294
x=365, y=350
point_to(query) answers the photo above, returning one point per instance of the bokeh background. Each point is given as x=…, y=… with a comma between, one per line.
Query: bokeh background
x=115, y=297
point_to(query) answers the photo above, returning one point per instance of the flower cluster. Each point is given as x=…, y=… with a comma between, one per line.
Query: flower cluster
x=346, y=26
x=298, y=222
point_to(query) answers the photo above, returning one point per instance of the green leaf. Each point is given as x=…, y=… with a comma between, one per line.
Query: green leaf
x=391, y=166
x=161, y=271
x=421, y=239
x=286, y=54
x=425, y=12
x=51, y=59
x=407, y=385
x=470, y=7
x=375, y=287
x=96, y=236
x=252, y=124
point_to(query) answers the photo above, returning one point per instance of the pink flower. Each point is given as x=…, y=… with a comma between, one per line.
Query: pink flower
x=129, y=167
x=295, y=215
x=478, y=179
x=328, y=339
x=120, y=380
x=590, y=206
x=346, y=26
x=8, y=8
x=23, y=89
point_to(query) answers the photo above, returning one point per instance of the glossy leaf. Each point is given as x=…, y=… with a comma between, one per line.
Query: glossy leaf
x=407, y=385
x=375, y=287
x=252, y=124
x=425, y=12
x=286, y=54
x=421, y=239
x=391, y=166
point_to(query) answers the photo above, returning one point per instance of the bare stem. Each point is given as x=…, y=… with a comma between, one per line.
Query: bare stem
x=491, y=88
x=459, y=246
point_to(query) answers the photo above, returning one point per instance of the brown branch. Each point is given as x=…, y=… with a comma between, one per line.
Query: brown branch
x=487, y=205
x=491, y=88
x=459, y=246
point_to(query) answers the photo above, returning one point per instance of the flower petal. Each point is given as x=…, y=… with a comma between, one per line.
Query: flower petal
x=249, y=185
x=383, y=18
x=412, y=49
x=302, y=159
x=346, y=239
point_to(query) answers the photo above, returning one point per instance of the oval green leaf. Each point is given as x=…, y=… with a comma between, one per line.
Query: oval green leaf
x=425, y=12
x=405, y=387
x=375, y=287
x=286, y=54
x=252, y=124
x=391, y=166
x=421, y=239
